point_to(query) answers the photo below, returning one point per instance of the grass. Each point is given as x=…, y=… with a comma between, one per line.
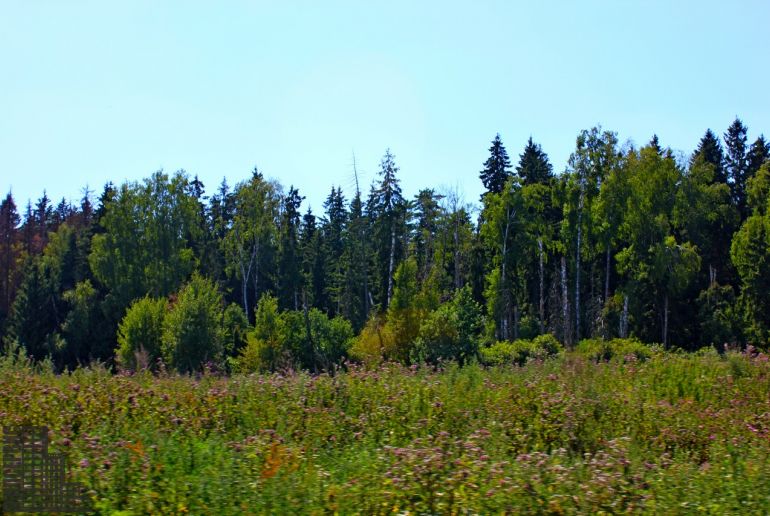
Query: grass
x=673, y=433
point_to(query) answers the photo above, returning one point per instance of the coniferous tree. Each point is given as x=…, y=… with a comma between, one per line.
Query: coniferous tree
x=10, y=253
x=534, y=166
x=736, y=164
x=357, y=259
x=710, y=151
x=386, y=209
x=33, y=320
x=333, y=228
x=313, y=262
x=43, y=222
x=758, y=154
x=105, y=198
x=497, y=167
x=289, y=260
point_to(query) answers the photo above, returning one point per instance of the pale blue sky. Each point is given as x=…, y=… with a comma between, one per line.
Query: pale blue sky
x=107, y=90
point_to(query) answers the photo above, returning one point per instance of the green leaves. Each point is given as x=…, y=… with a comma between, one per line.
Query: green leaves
x=192, y=331
x=144, y=249
x=140, y=334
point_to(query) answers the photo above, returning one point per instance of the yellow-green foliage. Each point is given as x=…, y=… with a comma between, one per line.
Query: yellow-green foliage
x=675, y=434
x=520, y=351
x=140, y=334
x=264, y=344
x=375, y=343
x=622, y=349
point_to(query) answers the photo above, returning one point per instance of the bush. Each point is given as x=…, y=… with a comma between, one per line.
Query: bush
x=520, y=351
x=265, y=343
x=600, y=350
x=450, y=332
x=140, y=334
x=375, y=342
x=316, y=343
x=235, y=326
x=193, y=333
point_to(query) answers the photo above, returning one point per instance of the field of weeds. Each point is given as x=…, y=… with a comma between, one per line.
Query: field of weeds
x=672, y=433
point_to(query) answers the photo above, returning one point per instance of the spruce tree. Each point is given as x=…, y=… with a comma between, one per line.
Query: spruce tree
x=313, y=261
x=736, y=164
x=710, y=151
x=9, y=253
x=758, y=154
x=496, y=168
x=534, y=166
x=333, y=227
x=386, y=207
x=289, y=280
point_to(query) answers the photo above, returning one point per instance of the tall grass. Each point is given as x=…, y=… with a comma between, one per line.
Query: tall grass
x=673, y=433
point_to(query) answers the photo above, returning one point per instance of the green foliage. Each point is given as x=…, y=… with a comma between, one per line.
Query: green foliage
x=627, y=241
x=144, y=248
x=719, y=317
x=451, y=332
x=193, y=333
x=33, y=315
x=249, y=245
x=750, y=254
x=759, y=190
x=404, y=313
x=81, y=327
x=235, y=326
x=675, y=433
x=375, y=343
x=497, y=167
x=520, y=351
x=314, y=341
x=264, y=349
x=599, y=350
x=140, y=334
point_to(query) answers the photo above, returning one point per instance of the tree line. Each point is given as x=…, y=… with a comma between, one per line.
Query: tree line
x=625, y=242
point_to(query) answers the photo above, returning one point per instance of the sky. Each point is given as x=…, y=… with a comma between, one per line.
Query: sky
x=98, y=91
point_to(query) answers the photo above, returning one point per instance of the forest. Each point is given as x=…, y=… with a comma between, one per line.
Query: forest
x=627, y=242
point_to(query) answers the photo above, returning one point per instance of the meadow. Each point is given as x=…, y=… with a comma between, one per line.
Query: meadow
x=579, y=432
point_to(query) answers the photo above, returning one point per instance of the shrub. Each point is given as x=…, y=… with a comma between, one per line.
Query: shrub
x=600, y=350
x=375, y=342
x=450, y=332
x=193, y=333
x=316, y=342
x=265, y=342
x=140, y=333
x=520, y=351
x=235, y=326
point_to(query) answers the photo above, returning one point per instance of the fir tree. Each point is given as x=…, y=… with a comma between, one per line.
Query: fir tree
x=289, y=280
x=333, y=226
x=9, y=253
x=736, y=165
x=758, y=154
x=534, y=166
x=496, y=168
x=387, y=208
x=710, y=151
